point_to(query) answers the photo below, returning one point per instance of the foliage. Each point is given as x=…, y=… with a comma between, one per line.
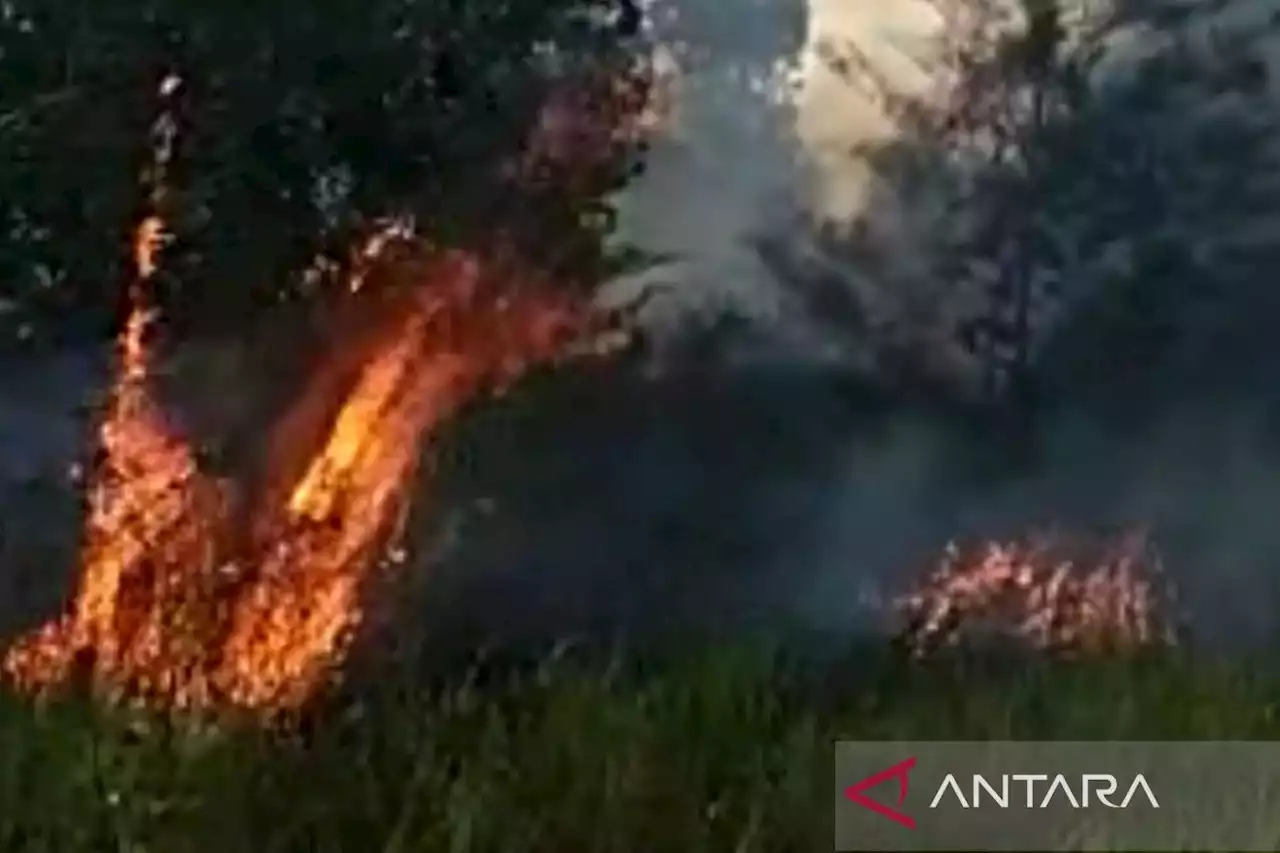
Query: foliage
x=725, y=751
x=298, y=125
x=1169, y=198
x=1114, y=233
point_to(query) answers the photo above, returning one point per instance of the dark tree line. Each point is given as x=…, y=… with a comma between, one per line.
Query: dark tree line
x=299, y=124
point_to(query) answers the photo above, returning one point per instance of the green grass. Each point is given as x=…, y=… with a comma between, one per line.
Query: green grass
x=720, y=751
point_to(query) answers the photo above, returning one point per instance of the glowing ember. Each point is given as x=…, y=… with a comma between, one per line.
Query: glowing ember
x=1053, y=595
x=178, y=604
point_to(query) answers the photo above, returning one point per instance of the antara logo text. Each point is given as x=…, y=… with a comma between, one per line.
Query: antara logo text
x=1081, y=792
x=1034, y=790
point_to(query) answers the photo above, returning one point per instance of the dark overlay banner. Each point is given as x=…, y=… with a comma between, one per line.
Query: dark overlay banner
x=1057, y=795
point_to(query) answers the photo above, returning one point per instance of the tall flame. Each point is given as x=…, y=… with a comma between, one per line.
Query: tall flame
x=176, y=603
x=197, y=592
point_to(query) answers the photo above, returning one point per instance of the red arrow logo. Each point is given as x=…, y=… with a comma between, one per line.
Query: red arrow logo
x=899, y=771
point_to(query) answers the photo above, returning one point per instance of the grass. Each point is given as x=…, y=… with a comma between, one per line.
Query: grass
x=723, y=750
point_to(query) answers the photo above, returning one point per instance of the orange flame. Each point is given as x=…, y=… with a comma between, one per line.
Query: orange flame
x=176, y=604
x=1060, y=596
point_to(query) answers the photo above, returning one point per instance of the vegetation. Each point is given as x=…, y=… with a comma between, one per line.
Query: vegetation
x=1071, y=199
x=727, y=752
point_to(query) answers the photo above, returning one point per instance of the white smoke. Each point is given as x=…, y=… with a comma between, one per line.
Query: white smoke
x=770, y=102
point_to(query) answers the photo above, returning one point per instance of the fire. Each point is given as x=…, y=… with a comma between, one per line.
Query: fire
x=1055, y=595
x=177, y=602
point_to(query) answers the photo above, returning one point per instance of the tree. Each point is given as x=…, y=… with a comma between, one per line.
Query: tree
x=1073, y=229
x=1174, y=265
x=299, y=125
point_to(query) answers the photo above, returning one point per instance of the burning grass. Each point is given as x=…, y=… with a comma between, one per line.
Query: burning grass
x=197, y=592
x=1052, y=594
x=200, y=593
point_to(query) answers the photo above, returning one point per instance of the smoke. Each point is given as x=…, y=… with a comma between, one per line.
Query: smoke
x=785, y=498
x=784, y=493
x=788, y=500
x=1196, y=481
x=726, y=164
